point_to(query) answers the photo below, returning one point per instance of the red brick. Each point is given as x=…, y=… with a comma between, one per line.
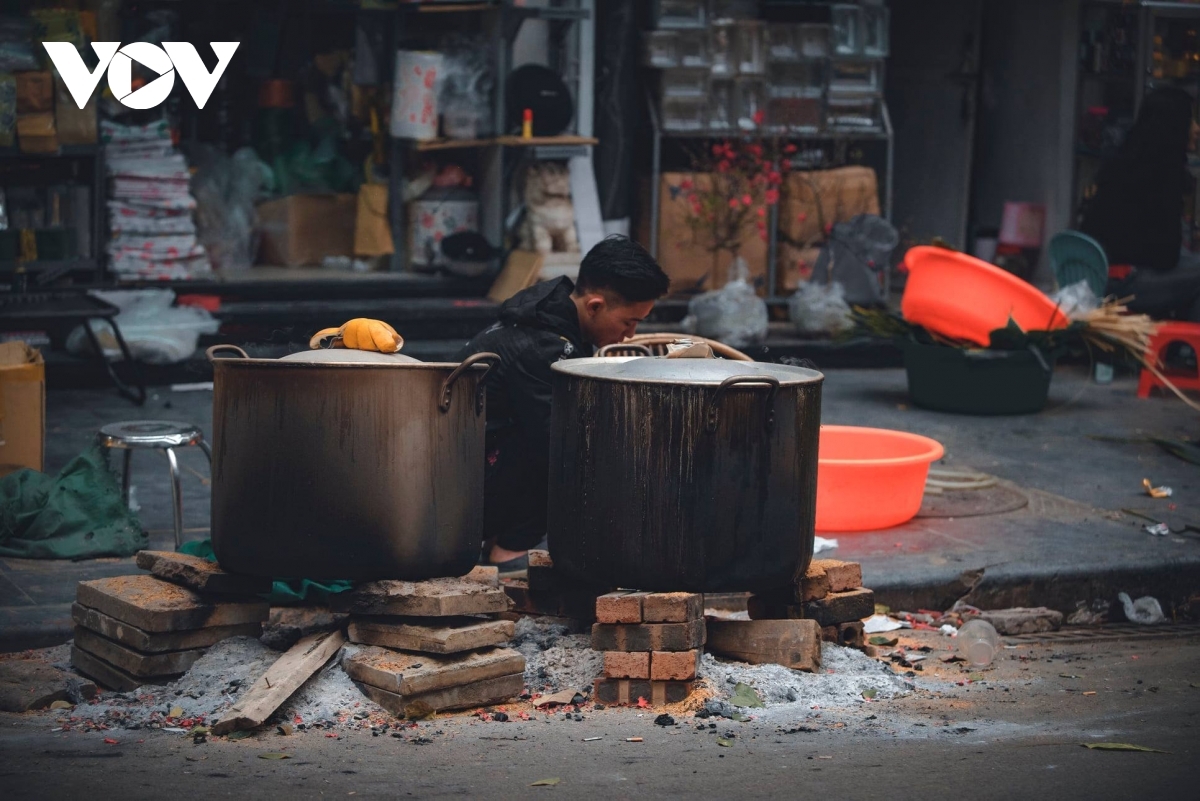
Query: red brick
x=814, y=585
x=648, y=636
x=540, y=559
x=672, y=607
x=674, y=665
x=619, y=607
x=841, y=607
x=628, y=691
x=843, y=576
x=851, y=634
x=829, y=634
x=626, y=665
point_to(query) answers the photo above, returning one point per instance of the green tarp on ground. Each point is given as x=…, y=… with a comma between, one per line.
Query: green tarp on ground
x=77, y=514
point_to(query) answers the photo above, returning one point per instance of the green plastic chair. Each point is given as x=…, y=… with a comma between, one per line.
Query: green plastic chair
x=1077, y=257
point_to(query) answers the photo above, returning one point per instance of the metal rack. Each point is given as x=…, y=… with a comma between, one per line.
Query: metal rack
x=84, y=266
x=571, y=37
x=838, y=137
x=1139, y=81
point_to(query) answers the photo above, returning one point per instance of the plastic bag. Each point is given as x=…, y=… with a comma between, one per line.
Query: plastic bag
x=156, y=331
x=857, y=255
x=819, y=309
x=1076, y=300
x=225, y=189
x=733, y=314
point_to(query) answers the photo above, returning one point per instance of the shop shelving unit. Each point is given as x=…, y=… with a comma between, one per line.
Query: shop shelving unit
x=72, y=165
x=571, y=49
x=835, y=144
x=1142, y=26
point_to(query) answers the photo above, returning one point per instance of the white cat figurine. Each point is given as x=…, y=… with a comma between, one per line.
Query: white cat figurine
x=549, y=225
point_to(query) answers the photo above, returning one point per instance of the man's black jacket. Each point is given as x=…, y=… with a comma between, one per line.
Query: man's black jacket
x=537, y=327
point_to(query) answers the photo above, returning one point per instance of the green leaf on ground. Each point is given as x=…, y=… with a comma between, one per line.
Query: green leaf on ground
x=870, y=693
x=240, y=735
x=880, y=640
x=545, y=782
x=1121, y=747
x=882, y=609
x=61, y=705
x=745, y=696
x=738, y=717
x=176, y=712
x=721, y=741
x=274, y=755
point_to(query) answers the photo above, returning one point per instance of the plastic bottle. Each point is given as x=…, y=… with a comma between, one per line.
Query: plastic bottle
x=978, y=642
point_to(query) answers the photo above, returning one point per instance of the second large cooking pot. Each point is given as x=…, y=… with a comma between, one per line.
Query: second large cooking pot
x=683, y=474
x=344, y=464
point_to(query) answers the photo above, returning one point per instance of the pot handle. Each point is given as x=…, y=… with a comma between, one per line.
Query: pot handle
x=634, y=347
x=470, y=361
x=212, y=352
x=769, y=380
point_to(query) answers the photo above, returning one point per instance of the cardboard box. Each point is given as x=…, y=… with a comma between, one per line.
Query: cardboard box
x=684, y=256
x=302, y=230
x=36, y=133
x=35, y=92
x=811, y=201
x=76, y=126
x=22, y=407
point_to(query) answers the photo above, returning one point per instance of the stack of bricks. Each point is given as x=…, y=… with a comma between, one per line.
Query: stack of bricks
x=431, y=645
x=830, y=593
x=149, y=629
x=652, y=642
x=547, y=593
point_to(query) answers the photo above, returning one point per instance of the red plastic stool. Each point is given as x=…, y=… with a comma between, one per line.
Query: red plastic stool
x=1187, y=333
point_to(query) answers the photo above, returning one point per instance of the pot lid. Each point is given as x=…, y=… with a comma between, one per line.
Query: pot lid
x=347, y=356
x=659, y=370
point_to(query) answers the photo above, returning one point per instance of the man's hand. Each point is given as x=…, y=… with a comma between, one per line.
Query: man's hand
x=360, y=333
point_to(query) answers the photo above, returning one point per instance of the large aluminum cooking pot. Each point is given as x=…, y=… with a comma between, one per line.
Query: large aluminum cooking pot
x=343, y=464
x=683, y=474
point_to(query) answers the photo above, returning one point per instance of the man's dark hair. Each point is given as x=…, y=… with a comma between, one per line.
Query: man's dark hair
x=622, y=266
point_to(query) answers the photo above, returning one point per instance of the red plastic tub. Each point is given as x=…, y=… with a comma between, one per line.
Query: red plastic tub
x=871, y=478
x=962, y=297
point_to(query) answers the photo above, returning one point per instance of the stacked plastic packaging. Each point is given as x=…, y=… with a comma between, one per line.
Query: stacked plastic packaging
x=150, y=206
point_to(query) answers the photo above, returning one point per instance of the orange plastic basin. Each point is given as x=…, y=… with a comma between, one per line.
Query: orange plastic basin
x=962, y=297
x=871, y=478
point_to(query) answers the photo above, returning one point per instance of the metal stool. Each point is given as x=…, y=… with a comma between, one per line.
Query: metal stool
x=160, y=435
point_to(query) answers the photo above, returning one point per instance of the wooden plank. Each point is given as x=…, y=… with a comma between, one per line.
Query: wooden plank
x=480, y=693
x=434, y=636
x=282, y=679
x=416, y=674
x=108, y=675
x=154, y=605
x=148, y=642
x=134, y=662
x=484, y=574
x=534, y=141
x=441, y=597
x=199, y=574
x=794, y=644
